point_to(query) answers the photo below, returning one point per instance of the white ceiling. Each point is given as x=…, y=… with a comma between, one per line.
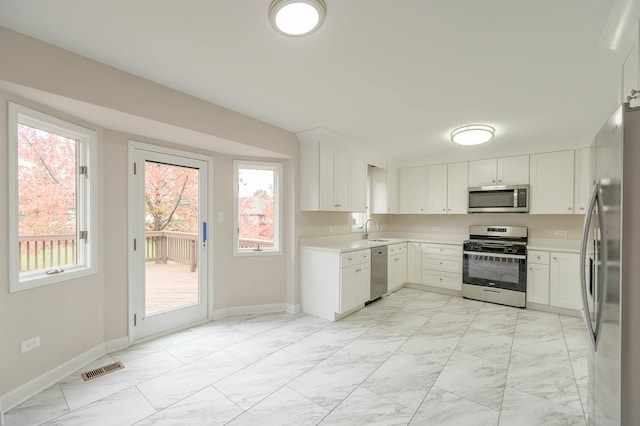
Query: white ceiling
x=396, y=76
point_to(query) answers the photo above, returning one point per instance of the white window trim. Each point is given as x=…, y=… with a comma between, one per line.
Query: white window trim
x=87, y=201
x=277, y=189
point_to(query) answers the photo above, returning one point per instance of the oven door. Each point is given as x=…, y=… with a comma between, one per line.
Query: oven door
x=505, y=271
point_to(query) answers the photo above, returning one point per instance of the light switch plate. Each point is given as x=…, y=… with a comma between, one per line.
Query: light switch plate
x=29, y=344
x=561, y=233
x=435, y=228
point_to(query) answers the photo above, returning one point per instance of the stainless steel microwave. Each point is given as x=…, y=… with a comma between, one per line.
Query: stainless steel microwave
x=499, y=199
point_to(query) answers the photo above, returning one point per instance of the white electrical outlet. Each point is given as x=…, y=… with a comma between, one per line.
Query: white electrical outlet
x=435, y=228
x=220, y=216
x=561, y=233
x=29, y=344
x=330, y=229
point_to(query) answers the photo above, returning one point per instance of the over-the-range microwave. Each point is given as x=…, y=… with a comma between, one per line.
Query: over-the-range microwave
x=499, y=199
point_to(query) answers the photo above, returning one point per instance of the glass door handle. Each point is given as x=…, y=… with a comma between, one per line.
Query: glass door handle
x=204, y=234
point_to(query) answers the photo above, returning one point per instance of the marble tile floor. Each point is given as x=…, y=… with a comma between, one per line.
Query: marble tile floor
x=413, y=358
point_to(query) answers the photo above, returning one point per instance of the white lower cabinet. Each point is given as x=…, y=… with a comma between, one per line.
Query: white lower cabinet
x=553, y=278
x=442, y=265
x=334, y=283
x=414, y=263
x=397, y=266
x=538, y=277
x=564, y=280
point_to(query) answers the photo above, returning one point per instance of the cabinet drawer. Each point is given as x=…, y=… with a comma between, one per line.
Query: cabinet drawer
x=539, y=257
x=394, y=249
x=348, y=259
x=442, y=279
x=442, y=249
x=363, y=256
x=442, y=263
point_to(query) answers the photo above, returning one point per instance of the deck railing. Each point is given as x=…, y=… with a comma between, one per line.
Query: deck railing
x=46, y=251
x=164, y=246
x=49, y=251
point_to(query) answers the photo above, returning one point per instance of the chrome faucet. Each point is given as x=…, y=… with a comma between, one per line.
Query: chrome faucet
x=365, y=229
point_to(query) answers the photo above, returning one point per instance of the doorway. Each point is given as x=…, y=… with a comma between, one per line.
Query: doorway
x=169, y=255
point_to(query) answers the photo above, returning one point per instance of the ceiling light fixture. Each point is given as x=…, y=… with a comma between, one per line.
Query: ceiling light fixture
x=297, y=18
x=473, y=134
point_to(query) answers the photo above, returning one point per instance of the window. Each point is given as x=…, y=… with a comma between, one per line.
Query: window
x=52, y=175
x=257, y=208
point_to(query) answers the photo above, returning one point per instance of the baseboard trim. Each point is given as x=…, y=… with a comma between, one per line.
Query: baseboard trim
x=17, y=396
x=249, y=309
x=293, y=309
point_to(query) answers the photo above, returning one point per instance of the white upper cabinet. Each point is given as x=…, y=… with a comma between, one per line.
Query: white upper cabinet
x=447, y=188
x=437, y=191
x=552, y=189
x=513, y=170
x=358, y=184
x=483, y=172
x=384, y=190
x=457, y=187
x=499, y=171
x=335, y=178
x=412, y=190
x=584, y=178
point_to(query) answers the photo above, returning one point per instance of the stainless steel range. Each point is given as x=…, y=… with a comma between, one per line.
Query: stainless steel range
x=495, y=264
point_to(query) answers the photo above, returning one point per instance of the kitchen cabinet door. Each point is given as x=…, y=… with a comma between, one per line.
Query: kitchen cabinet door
x=457, y=187
x=412, y=190
x=362, y=284
x=513, y=170
x=358, y=185
x=414, y=263
x=584, y=178
x=564, y=280
x=396, y=266
x=551, y=190
x=392, y=190
x=437, y=189
x=538, y=283
x=348, y=288
x=483, y=172
x=384, y=190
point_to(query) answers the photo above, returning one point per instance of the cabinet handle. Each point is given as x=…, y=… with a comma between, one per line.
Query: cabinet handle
x=555, y=258
x=443, y=210
x=499, y=180
x=531, y=269
x=493, y=181
x=581, y=208
x=570, y=208
x=338, y=205
x=358, y=270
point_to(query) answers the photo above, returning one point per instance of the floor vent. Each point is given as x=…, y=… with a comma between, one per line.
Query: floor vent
x=92, y=374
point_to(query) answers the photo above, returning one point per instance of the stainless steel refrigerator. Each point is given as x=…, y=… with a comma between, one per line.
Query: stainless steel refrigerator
x=610, y=272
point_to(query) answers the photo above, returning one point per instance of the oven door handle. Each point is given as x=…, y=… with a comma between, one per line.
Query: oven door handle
x=500, y=255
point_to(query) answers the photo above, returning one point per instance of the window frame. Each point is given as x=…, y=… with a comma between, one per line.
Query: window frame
x=86, y=198
x=277, y=168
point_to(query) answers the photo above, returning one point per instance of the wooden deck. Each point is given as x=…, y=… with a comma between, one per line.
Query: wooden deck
x=169, y=286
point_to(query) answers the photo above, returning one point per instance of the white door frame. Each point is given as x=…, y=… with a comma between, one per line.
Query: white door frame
x=133, y=146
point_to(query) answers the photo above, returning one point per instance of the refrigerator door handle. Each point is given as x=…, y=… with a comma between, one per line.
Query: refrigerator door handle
x=583, y=255
x=602, y=270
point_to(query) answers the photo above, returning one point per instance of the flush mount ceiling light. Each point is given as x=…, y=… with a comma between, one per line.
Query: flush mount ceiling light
x=297, y=18
x=473, y=134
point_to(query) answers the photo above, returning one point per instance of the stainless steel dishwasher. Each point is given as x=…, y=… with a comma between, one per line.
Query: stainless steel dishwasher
x=379, y=267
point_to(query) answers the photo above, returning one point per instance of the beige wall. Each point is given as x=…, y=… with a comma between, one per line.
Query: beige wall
x=540, y=226
x=76, y=316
